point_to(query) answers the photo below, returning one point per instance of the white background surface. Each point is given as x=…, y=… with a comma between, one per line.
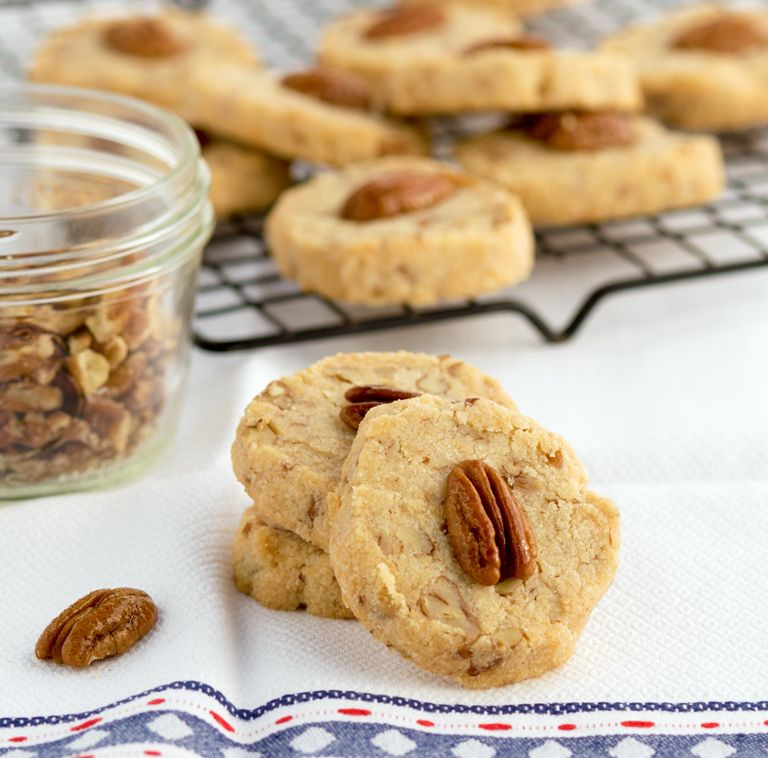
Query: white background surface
x=663, y=395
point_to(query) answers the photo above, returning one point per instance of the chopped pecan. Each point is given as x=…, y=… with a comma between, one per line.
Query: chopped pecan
x=397, y=193
x=146, y=37
x=362, y=399
x=523, y=43
x=110, y=420
x=28, y=396
x=443, y=602
x=101, y=624
x=487, y=527
x=89, y=369
x=27, y=350
x=574, y=131
x=726, y=33
x=331, y=86
x=402, y=21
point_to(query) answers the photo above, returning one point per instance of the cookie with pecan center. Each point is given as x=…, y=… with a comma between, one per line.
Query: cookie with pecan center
x=149, y=57
x=465, y=537
x=704, y=67
x=400, y=230
x=570, y=168
x=471, y=57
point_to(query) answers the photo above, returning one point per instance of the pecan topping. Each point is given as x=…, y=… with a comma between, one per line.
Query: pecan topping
x=146, y=37
x=580, y=130
x=397, y=193
x=487, y=527
x=101, y=624
x=524, y=43
x=362, y=399
x=729, y=33
x=400, y=21
x=331, y=86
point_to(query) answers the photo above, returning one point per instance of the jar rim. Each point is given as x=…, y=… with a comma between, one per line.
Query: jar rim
x=179, y=129
x=149, y=157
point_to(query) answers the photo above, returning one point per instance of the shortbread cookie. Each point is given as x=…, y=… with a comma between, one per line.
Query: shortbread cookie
x=291, y=441
x=328, y=121
x=572, y=168
x=243, y=179
x=472, y=59
x=400, y=230
x=704, y=67
x=464, y=536
x=523, y=7
x=149, y=57
x=282, y=571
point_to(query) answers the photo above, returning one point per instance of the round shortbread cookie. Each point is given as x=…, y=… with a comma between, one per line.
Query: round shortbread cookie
x=243, y=179
x=254, y=108
x=439, y=70
x=83, y=55
x=474, y=239
x=662, y=170
x=697, y=88
x=282, y=571
x=394, y=560
x=291, y=442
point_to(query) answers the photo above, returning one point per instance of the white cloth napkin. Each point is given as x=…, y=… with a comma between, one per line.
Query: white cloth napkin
x=664, y=397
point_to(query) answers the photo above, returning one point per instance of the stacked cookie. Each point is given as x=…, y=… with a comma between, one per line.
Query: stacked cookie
x=407, y=490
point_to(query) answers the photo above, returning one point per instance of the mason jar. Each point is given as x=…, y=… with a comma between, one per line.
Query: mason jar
x=104, y=213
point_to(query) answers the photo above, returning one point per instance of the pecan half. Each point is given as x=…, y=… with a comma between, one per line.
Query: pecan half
x=146, y=37
x=397, y=193
x=523, y=43
x=489, y=533
x=400, y=21
x=729, y=33
x=331, y=86
x=101, y=624
x=574, y=131
x=362, y=399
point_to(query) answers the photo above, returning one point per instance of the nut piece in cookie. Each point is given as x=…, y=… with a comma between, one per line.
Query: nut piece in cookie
x=581, y=130
x=704, y=67
x=574, y=167
x=396, y=231
x=362, y=399
x=507, y=552
x=330, y=86
x=281, y=571
x=296, y=433
x=145, y=36
x=397, y=193
x=489, y=532
x=396, y=22
x=729, y=34
x=101, y=624
x=456, y=58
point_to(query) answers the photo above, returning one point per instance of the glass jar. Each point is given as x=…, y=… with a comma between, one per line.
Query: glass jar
x=104, y=213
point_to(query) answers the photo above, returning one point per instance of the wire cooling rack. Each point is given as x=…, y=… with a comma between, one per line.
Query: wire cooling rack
x=243, y=303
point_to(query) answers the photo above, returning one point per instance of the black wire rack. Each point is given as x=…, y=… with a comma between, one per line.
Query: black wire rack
x=243, y=303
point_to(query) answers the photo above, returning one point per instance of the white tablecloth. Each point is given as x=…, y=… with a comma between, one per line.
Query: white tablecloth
x=663, y=395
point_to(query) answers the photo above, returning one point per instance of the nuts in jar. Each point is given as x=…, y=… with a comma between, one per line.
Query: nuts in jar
x=108, y=217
